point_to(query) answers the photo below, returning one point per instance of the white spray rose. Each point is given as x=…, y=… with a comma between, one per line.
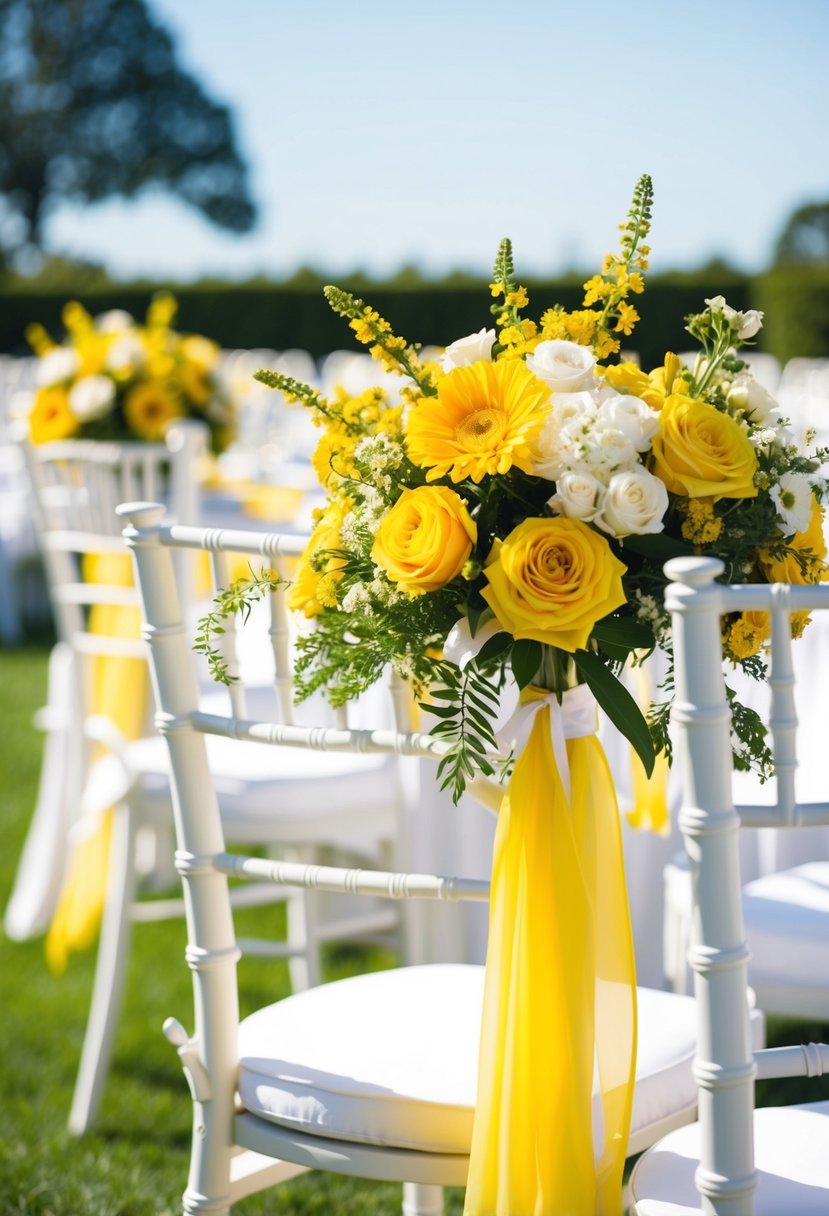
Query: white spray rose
x=634, y=418
x=126, y=352
x=578, y=495
x=793, y=498
x=468, y=350
x=565, y=366
x=634, y=505
x=56, y=365
x=113, y=321
x=556, y=445
x=607, y=450
x=748, y=395
x=91, y=397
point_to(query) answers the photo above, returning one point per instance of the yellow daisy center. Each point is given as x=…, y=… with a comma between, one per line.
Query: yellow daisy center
x=477, y=432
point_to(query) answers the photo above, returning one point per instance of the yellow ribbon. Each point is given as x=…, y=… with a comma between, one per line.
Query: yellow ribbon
x=118, y=690
x=650, y=810
x=560, y=992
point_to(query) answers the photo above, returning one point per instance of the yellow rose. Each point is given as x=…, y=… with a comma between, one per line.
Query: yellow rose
x=812, y=548
x=701, y=453
x=52, y=417
x=424, y=541
x=652, y=387
x=551, y=580
x=315, y=585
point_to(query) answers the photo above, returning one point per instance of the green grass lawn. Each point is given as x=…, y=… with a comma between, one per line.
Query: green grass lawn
x=135, y=1162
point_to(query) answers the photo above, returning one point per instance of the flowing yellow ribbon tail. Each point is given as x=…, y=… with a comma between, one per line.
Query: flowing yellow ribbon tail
x=650, y=811
x=118, y=690
x=559, y=997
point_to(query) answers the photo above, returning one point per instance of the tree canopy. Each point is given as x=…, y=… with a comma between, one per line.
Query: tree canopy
x=805, y=239
x=93, y=103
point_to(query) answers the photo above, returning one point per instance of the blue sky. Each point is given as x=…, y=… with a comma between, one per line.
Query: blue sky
x=385, y=134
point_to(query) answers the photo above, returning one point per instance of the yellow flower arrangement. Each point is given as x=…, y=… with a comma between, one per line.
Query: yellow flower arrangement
x=114, y=379
x=526, y=481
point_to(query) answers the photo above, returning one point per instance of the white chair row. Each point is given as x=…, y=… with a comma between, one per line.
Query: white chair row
x=88, y=767
x=735, y=1162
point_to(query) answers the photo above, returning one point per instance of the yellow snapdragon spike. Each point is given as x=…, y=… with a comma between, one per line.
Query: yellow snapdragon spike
x=119, y=692
x=559, y=995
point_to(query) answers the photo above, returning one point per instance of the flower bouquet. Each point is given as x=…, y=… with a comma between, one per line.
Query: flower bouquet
x=114, y=379
x=507, y=518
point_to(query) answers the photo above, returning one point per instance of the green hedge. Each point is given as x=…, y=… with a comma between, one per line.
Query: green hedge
x=796, y=304
x=282, y=317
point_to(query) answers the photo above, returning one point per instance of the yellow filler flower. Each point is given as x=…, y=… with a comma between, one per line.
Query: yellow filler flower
x=479, y=423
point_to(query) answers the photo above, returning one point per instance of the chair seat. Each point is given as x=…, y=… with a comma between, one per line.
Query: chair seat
x=410, y=1035
x=787, y=925
x=790, y=1150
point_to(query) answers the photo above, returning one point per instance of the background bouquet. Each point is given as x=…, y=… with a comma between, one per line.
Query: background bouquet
x=512, y=509
x=114, y=379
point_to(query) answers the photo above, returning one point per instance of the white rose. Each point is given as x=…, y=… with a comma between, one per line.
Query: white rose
x=113, y=321
x=746, y=394
x=91, y=397
x=126, y=352
x=565, y=366
x=793, y=498
x=58, y=364
x=635, y=504
x=556, y=445
x=634, y=418
x=578, y=495
x=468, y=350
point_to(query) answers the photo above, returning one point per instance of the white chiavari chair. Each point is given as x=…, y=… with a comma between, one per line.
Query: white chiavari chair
x=736, y=1161
x=290, y=808
x=375, y=1075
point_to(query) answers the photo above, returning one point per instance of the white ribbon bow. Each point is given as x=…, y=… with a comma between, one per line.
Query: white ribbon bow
x=574, y=718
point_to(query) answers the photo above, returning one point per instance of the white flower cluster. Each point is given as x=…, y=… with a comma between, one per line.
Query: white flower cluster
x=381, y=456
x=592, y=443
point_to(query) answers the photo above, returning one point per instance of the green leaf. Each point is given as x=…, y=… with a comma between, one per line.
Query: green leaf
x=623, y=631
x=525, y=660
x=658, y=545
x=493, y=648
x=618, y=704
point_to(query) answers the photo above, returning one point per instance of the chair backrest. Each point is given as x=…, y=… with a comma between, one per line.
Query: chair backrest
x=77, y=485
x=725, y=1067
x=201, y=857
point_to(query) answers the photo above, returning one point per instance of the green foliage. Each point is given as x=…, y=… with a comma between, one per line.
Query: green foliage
x=795, y=301
x=466, y=703
x=804, y=240
x=267, y=315
x=237, y=599
x=93, y=102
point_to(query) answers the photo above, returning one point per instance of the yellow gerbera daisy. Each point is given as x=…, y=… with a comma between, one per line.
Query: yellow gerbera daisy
x=480, y=422
x=51, y=417
x=149, y=408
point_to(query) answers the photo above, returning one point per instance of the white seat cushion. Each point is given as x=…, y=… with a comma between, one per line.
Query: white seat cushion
x=790, y=1145
x=294, y=790
x=392, y=1058
x=787, y=925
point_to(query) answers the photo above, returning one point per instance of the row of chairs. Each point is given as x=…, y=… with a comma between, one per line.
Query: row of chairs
x=254, y=794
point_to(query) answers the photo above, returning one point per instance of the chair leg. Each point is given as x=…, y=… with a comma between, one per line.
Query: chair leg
x=110, y=973
x=422, y=1200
